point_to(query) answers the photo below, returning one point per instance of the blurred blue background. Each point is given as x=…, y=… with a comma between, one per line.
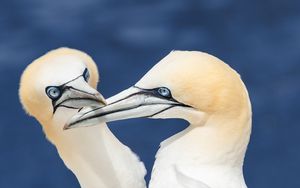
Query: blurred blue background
x=260, y=39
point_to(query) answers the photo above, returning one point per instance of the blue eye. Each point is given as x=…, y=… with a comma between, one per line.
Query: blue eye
x=86, y=75
x=165, y=92
x=53, y=92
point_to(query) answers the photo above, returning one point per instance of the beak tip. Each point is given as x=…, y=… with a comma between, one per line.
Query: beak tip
x=101, y=99
x=103, y=102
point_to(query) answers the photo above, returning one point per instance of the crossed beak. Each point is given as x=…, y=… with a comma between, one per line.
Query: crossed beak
x=134, y=102
x=78, y=94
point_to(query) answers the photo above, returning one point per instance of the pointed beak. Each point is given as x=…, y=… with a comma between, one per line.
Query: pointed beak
x=78, y=94
x=134, y=102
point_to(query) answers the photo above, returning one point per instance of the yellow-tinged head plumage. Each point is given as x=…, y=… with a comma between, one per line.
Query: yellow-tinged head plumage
x=56, y=68
x=199, y=80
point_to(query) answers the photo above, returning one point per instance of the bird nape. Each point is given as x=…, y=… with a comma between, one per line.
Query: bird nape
x=53, y=88
x=206, y=92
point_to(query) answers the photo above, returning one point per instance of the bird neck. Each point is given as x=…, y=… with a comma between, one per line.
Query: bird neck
x=86, y=153
x=95, y=156
x=209, y=152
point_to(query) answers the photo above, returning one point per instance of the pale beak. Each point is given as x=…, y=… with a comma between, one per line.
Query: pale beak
x=134, y=102
x=78, y=94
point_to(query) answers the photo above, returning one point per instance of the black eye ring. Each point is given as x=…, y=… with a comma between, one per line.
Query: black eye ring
x=53, y=92
x=164, y=92
x=86, y=75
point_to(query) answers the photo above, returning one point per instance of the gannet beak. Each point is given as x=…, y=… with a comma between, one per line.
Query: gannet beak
x=78, y=94
x=134, y=102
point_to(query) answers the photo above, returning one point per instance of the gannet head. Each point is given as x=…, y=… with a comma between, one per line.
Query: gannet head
x=56, y=85
x=185, y=84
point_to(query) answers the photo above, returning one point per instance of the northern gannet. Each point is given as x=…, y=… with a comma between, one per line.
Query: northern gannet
x=52, y=89
x=207, y=93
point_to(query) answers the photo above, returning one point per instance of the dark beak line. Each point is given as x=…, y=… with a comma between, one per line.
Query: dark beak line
x=125, y=109
x=70, y=87
x=115, y=111
x=142, y=91
x=146, y=92
x=161, y=111
x=56, y=106
x=64, y=87
x=70, y=81
x=127, y=97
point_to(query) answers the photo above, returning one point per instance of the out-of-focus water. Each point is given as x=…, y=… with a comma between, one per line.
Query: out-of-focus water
x=260, y=39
